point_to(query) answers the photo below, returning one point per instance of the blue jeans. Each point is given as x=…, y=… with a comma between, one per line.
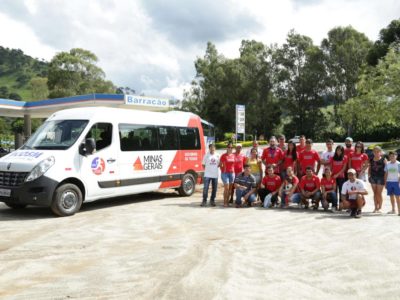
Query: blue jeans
x=332, y=197
x=296, y=198
x=214, y=185
x=241, y=193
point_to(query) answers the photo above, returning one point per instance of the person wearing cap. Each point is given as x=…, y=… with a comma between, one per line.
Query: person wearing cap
x=245, y=185
x=310, y=188
x=240, y=160
x=210, y=164
x=348, y=149
x=309, y=158
x=353, y=192
x=376, y=176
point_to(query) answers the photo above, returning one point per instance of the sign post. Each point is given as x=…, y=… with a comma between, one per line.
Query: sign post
x=240, y=120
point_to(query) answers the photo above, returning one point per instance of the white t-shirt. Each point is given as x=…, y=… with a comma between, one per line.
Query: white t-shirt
x=348, y=186
x=393, y=170
x=326, y=156
x=211, y=162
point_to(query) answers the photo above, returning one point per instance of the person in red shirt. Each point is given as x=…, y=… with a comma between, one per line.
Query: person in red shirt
x=309, y=188
x=302, y=144
x=348, y=149
x=338, y=164
x=272, y=155
x=289, y=159
x=227, y=165
x=289, y=191
x=240, y=160
x=328, y=189
x=358, y=161
x=308, y=158
x=282, y=140
x=270, y=184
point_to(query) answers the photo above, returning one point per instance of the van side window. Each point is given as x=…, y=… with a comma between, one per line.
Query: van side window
x=102, y=134
x=138, y=137
x=189, y=138
x=168, y=138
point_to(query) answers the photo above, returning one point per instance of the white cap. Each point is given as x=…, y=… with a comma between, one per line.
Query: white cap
x=239, y=145
x=351, y=171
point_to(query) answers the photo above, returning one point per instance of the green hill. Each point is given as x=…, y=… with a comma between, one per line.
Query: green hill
x=16, y=71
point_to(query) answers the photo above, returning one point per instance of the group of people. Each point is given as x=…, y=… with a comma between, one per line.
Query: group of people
x=285, y=173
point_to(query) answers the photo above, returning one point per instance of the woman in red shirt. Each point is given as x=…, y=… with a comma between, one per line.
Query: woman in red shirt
x=227, y=165
x=328, y=189
x=358, y=161
x=290, y=159
x=338, y=164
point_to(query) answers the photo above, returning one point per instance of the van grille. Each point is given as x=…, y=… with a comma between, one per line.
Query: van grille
x=12, y=178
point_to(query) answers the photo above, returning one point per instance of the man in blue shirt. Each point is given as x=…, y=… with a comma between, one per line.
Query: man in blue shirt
x=245, y=185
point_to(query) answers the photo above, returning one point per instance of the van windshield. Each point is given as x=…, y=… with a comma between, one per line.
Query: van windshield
x=56, y=135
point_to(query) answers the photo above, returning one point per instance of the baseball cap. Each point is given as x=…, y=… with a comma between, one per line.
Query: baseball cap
x=351, y=171
x=239, y=145
x=349, y=139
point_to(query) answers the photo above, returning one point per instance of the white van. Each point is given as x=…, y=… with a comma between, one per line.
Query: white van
x=90, y=153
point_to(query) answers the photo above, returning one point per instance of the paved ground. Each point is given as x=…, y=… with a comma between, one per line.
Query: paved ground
x=159, y=245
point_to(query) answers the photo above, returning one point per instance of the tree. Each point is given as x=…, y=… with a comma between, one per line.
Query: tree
x=345, y=52
x=75, y=73
x=299, y=83
x=387, y=36
x=14, y=96
x=38, y=87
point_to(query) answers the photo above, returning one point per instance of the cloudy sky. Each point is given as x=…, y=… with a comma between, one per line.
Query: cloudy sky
x=150, y=45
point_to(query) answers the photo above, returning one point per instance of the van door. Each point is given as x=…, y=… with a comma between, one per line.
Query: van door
x=99, y=170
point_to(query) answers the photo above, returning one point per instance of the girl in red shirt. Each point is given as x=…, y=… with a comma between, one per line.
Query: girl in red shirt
x=328, y=189
x=358, y=160
x=290, y=159
x=227, y=165
x=338, y=164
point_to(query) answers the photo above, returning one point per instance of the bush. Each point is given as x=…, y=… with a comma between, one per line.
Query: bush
x=223, y=144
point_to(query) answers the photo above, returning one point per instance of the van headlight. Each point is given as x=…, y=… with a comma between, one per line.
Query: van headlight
x=40, y=168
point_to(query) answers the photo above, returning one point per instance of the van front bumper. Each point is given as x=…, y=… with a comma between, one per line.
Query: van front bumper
x=38, y=192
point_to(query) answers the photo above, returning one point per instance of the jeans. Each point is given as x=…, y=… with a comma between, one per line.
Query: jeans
x=214, y=185
x=241, y=193
x=332, y=197
x=296, y=198
x=339, y=184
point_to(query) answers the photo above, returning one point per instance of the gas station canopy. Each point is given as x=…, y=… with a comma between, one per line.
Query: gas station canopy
x=44, y=108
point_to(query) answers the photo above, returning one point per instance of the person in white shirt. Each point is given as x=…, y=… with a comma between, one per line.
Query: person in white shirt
x=210, y=164
x=392, y=179
x=353, y=192
x=326, y=155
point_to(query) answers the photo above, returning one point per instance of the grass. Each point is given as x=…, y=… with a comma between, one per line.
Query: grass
x=9, y=81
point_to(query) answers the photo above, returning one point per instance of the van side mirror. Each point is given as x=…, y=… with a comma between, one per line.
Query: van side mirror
x=88, y=147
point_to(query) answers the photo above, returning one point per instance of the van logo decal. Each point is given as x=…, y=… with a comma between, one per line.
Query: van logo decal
x=137, y=166
x=98, y=166
x=9, y=166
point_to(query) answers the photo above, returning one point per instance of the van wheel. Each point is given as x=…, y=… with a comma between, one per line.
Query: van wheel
x=15, y=205
x=67, y=200
x=187, y=185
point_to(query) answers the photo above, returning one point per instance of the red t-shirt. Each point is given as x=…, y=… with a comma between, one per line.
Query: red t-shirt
x=288, y=160
x=310, y=184
x=227, y=163
x=348, y=151
x=308, y=159
x=272, y=183
x=300, y=148
x=337, y=165
x=289, y=183
x=272, y=156
x=328, y=184
x=357, y=160
x=240, y=160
